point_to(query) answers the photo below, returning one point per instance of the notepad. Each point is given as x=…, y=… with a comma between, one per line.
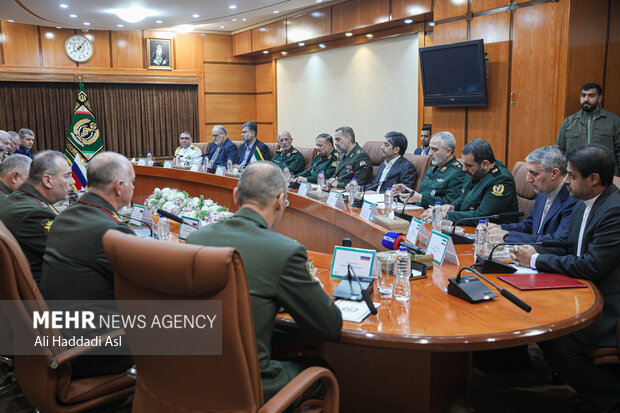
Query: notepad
x=526, y=282
x=355, y=311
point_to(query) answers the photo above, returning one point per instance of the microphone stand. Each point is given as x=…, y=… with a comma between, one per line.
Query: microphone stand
x=488, y=265
x=142, y=221
x=363, y=291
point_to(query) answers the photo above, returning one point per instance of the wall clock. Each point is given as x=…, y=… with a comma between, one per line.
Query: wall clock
x=79, y=48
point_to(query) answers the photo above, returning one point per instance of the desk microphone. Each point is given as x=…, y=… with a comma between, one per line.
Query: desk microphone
x=392, y=241
x=471, y=289
x=489, y=265
x=142, y=221
x=347, y=175
x=461, y=239
x=170, y=216
x=364, y=291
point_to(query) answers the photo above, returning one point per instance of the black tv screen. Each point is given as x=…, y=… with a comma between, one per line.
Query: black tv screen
x=454, y=74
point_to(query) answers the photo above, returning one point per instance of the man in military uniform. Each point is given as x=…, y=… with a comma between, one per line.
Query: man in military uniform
x=277, y=276
x=75, y=266
x=489, y=189
x=5, y=142
x=221, y=150
x=187, y=152
x=443, y=181
x=592, y=124
x=28, y=212
x=13, y=173
x=325, y=160
x=287, y=156
x=353, y=161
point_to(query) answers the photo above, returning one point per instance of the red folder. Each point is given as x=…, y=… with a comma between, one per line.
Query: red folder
x=541, y=281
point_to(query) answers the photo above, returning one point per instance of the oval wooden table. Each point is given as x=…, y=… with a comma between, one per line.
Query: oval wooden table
x=411, y=356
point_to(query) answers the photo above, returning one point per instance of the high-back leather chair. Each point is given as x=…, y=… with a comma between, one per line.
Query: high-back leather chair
x=606, y=355
x=617, y=181
x=373, y=149
x=46, y=379
x=146, y=269
x=203, y=146
x=421, y=163
x=525, y=192
x=309, y=154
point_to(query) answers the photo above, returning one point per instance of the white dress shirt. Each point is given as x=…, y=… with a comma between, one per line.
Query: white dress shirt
x=550, y=199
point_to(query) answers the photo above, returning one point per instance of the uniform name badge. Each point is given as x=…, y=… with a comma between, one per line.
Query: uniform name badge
x=304, y=187
x=335, y=199
x=416, y=229
x=142, y=161
x=136, y=215
x=433, y=192
x=368, y=211
x=168, y=164
x=188, y=226
x=220, y=170
x=442, y=248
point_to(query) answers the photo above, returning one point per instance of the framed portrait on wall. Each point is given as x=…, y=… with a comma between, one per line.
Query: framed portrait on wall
x=159, y=53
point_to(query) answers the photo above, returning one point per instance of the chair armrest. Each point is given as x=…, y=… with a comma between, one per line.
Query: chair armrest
x=61, y=358
x=296, y=387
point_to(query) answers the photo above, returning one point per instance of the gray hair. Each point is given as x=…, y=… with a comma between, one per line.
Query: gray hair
x=447, y=140
x=20, y=163
x=261, y=183
x=220, y=129
x=107, y=168
x=44, y=163
x=4, y=135
x=549, y=157
x=23, y=132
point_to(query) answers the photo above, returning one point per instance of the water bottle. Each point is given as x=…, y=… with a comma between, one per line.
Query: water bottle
x=149, y=159
x=320, y=180
x=387, y=198
x=163, y=229
x=207, y=164
x=354, y=189
x=481, y=237
x=287, y=175
x=402, y=289
x=437, y=217
x=229, y=165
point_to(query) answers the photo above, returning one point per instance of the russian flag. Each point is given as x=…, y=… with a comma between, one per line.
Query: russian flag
x=365, y=258
x=79, y=172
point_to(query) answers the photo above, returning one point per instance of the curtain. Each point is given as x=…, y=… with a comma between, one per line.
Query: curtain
x=133, y=119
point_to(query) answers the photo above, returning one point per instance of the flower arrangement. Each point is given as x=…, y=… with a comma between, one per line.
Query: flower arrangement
x=180, y=203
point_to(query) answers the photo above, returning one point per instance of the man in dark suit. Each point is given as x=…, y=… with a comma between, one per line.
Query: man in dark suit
x=395, y=169
x=221, y=150
x=425, y=139
x=246, y=153
x=277, y=276
x=26, y=139
x=553, y=205
x=594, y=229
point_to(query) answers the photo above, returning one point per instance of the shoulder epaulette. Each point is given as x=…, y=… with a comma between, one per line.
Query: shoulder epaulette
x=336, y=154
x=457, y=164
x=294, y=151
x=495, y=171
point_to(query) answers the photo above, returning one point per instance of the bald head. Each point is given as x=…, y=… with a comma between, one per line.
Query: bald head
x=14, y=171
x=107, y=168
x=260, y=184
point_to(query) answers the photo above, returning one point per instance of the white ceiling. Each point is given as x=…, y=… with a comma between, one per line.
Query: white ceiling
x=213, y=14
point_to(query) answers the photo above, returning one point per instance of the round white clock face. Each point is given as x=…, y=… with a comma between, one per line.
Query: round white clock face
x=79, y=48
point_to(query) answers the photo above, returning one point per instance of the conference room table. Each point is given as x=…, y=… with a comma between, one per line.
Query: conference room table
x=412, y=356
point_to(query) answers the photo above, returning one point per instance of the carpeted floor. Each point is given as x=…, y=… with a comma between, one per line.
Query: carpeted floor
x=530, y=391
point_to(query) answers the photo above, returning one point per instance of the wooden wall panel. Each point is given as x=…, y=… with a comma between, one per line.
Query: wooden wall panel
x=534, y=57
x=128, y=50
x=450, y=32
x=264, y=77
x=229, y=78
x=271, y=35
x=481, y=5
x=409, y=8
x=266, y=132
x=490, y=122
x=444, y=9
x=586, y=48
x=21, y=44
x=242, y=43
x=233, y=130
x=353, y=14
x=101, y=50
x=188, y=52
x=264, y=108
x=317, y=23
x=223, y=108
x=612, y=80
x=53, y=47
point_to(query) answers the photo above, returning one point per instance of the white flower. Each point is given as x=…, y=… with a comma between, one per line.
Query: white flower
x=209, y=203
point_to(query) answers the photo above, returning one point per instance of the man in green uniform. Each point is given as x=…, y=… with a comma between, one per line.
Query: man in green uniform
x=287, y=155
x=325, y=160
x=489, y=189
x=75, y=266
x=277, y=276
x=443, y=181
x=353, y=161
x=592, y=124
x=28, y=212
x=13, y=173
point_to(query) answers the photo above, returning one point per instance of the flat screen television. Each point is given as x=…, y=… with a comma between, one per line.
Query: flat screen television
x=454, y=74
